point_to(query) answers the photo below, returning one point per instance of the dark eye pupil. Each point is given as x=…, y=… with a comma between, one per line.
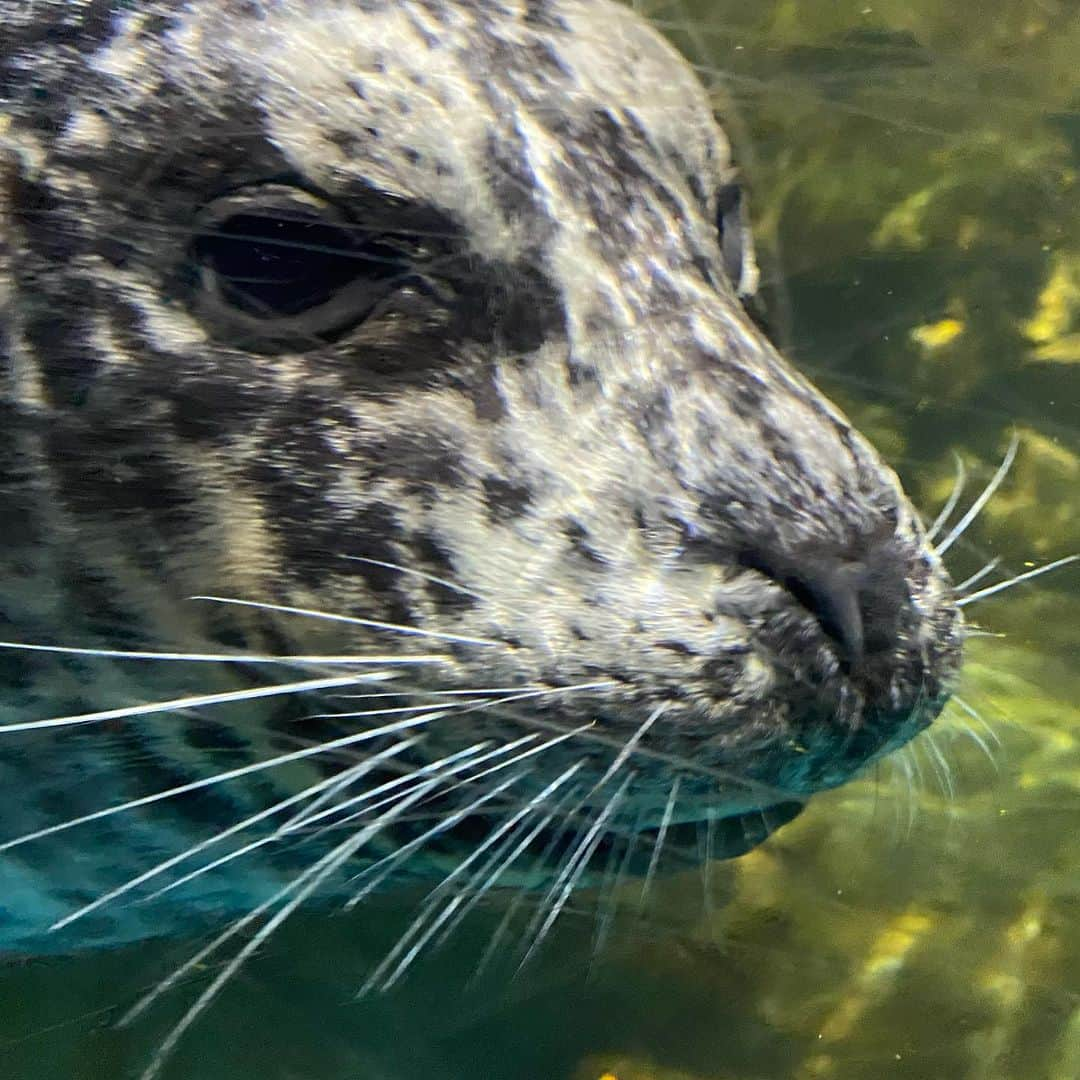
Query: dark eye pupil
x=278, y=263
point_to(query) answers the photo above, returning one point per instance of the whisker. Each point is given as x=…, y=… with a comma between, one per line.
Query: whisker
x=611, y=894
x=220, y=778
x=686, y=764
x=393, y=861
x=352, y=620
x=420, y=574
x=195, y=701
x=483, y=690
x=436, y=894
x=902, y=761
x=539, y=862
x=990, y=590
x=634, y=739
x=379, y=870
x=708, y=845
x=661, y=835
x=330, y=787
x=379, y=712
x=941, y=767
x=950, y=503
x=223, y=658
x=333, y=782
x=500, y=864
x=983, y=499
x=528, y=753
x=446, y=766
x=993, y=564
x=980, y=742
x=575, y=867
x=303, y=887
x=978, y=718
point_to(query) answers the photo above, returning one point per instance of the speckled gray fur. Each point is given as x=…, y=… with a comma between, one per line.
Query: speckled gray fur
x=556, y=402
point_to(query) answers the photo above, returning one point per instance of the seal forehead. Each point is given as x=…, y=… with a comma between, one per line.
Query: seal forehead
x=446, y=103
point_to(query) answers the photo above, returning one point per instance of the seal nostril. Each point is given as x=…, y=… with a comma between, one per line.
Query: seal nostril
x=831, y=593
x=857, y=602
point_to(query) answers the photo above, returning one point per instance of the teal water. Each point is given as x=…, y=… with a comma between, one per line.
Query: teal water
x=915, y=169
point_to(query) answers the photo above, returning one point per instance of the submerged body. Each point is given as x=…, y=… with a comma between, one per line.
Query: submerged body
x=427, y=317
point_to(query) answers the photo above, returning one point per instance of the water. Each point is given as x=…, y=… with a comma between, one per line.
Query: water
x=915, y=173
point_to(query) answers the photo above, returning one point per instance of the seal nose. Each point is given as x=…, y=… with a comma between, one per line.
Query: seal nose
x=857, y=599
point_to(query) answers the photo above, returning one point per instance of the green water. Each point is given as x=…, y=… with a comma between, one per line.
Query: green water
x=915, y=168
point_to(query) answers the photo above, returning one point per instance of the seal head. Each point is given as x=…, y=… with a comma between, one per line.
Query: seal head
x=428, y=313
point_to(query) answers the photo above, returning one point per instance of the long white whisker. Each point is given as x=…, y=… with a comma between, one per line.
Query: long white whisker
x=416, y=926
x=194, y=701
x=312, y=878
x=380, y=870
x=540, y=861
x=231, y=774
x=950, y=503
x=329, y=659
x=352, y=620
x=990, y=590
x=453, y=693
x=740, y=783
x=706, y=863
x=502, y=765
x=977, y=717
x=349, y=776
x=943, y=768
x=447, y=766
x=527, y=754
x=419, y=574
x=661, y=836
x=396, y=710
x=441, y=888
x=306, y=816
x=575, y=867
x=980, y=742
x=611, y=903
x=297, y=821
x=196, y=960
x=988, y=492
x=498, y=865
x=902, y=761
x=547, y=691
x=634, y=739
x=993, y=564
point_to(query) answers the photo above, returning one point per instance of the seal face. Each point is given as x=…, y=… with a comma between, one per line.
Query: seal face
x=426, y=313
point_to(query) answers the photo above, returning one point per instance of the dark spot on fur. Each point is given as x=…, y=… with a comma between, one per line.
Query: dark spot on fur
x=539, y=13
x=581, y=373
x=578, y=536
x=504, y=500
x=434, y=558
x=678, y=647
x=69, y=362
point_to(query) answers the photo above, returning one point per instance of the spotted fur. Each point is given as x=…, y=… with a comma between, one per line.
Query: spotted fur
x=539, y=394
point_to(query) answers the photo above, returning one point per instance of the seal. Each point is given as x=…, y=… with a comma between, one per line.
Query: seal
x=395, y=481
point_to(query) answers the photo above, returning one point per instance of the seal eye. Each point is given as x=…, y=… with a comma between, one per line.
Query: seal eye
x=278, y=267
x=736, y=242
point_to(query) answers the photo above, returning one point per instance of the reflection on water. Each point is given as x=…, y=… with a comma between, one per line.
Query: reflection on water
x=915, y=175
